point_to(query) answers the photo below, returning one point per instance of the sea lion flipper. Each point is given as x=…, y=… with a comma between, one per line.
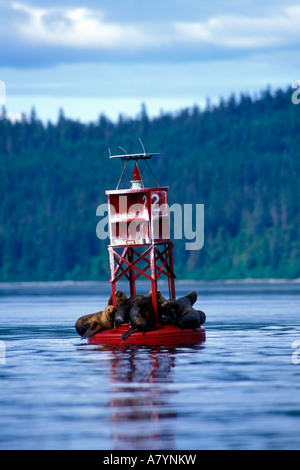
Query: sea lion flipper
x=88, y=331
x=126, y=334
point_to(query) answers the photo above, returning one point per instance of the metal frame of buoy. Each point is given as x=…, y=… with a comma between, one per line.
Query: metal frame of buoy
x=148, y=258
x=124, y=261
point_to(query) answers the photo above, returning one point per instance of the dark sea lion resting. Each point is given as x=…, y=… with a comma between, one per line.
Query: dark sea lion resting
x=122, y=313
x=183, y=314
x=88, y=325
x=179, y=304
x=190, y=318
x=166, y=314
x=141, y=316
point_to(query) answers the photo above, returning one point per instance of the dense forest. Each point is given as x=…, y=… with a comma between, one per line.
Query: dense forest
x=240, y=158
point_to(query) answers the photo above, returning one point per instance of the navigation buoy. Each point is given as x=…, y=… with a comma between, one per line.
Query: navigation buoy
x=140, y=247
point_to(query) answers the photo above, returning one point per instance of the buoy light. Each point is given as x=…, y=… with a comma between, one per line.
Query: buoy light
x=136, y=182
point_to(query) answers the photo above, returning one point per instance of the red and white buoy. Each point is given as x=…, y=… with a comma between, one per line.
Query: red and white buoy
x=140, y=246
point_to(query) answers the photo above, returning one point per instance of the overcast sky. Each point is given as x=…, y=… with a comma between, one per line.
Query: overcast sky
x=110, y=56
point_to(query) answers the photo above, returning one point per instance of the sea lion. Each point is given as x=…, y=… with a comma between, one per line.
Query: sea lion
x=190, y=318
x=120, y=297
x=88, y=325
x=160, y=298
x=84, y=322
x=179, y=304
x=181, y=312
x=170, y=309
x=141, y=316
x=122, y=313
x=166, y=314
x=202, y=316
x=188, y=299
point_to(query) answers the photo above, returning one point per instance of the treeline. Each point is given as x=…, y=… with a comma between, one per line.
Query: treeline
x=241, y=159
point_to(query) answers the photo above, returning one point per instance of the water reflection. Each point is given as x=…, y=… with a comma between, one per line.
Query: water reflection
x=143, y=415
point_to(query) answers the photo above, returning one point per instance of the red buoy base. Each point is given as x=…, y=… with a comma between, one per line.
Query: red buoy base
x=166, y=335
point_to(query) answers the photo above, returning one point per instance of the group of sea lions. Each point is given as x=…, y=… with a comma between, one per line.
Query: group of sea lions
x=138, y=311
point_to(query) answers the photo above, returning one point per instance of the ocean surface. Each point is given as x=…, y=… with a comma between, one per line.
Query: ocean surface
x=238, y=390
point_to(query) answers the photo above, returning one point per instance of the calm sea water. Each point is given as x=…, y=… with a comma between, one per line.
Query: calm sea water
x=238, y=390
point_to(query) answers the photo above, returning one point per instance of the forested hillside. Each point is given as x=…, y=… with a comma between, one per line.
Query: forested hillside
x=241, y=159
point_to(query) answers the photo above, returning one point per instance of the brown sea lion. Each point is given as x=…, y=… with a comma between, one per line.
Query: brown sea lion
x=84, y=322
x=141, y=316
x=88, y=325
x=160, y=298
x=120, y=296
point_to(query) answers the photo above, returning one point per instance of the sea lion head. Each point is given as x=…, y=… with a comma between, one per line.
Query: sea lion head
x=169, y=304
x=160, y=298
x=109, y=312
x=122, y=314
x=108, y=317
x=121, y=297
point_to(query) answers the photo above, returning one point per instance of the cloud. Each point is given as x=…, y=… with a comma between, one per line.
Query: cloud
x=42, y=36
x=76, y=28
x=244, y=32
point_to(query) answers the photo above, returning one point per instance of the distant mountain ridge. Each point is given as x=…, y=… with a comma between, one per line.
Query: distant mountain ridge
x=241, y=159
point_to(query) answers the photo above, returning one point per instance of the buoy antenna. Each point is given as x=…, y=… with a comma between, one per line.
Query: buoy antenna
x=142, y=146
x=123, y=150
